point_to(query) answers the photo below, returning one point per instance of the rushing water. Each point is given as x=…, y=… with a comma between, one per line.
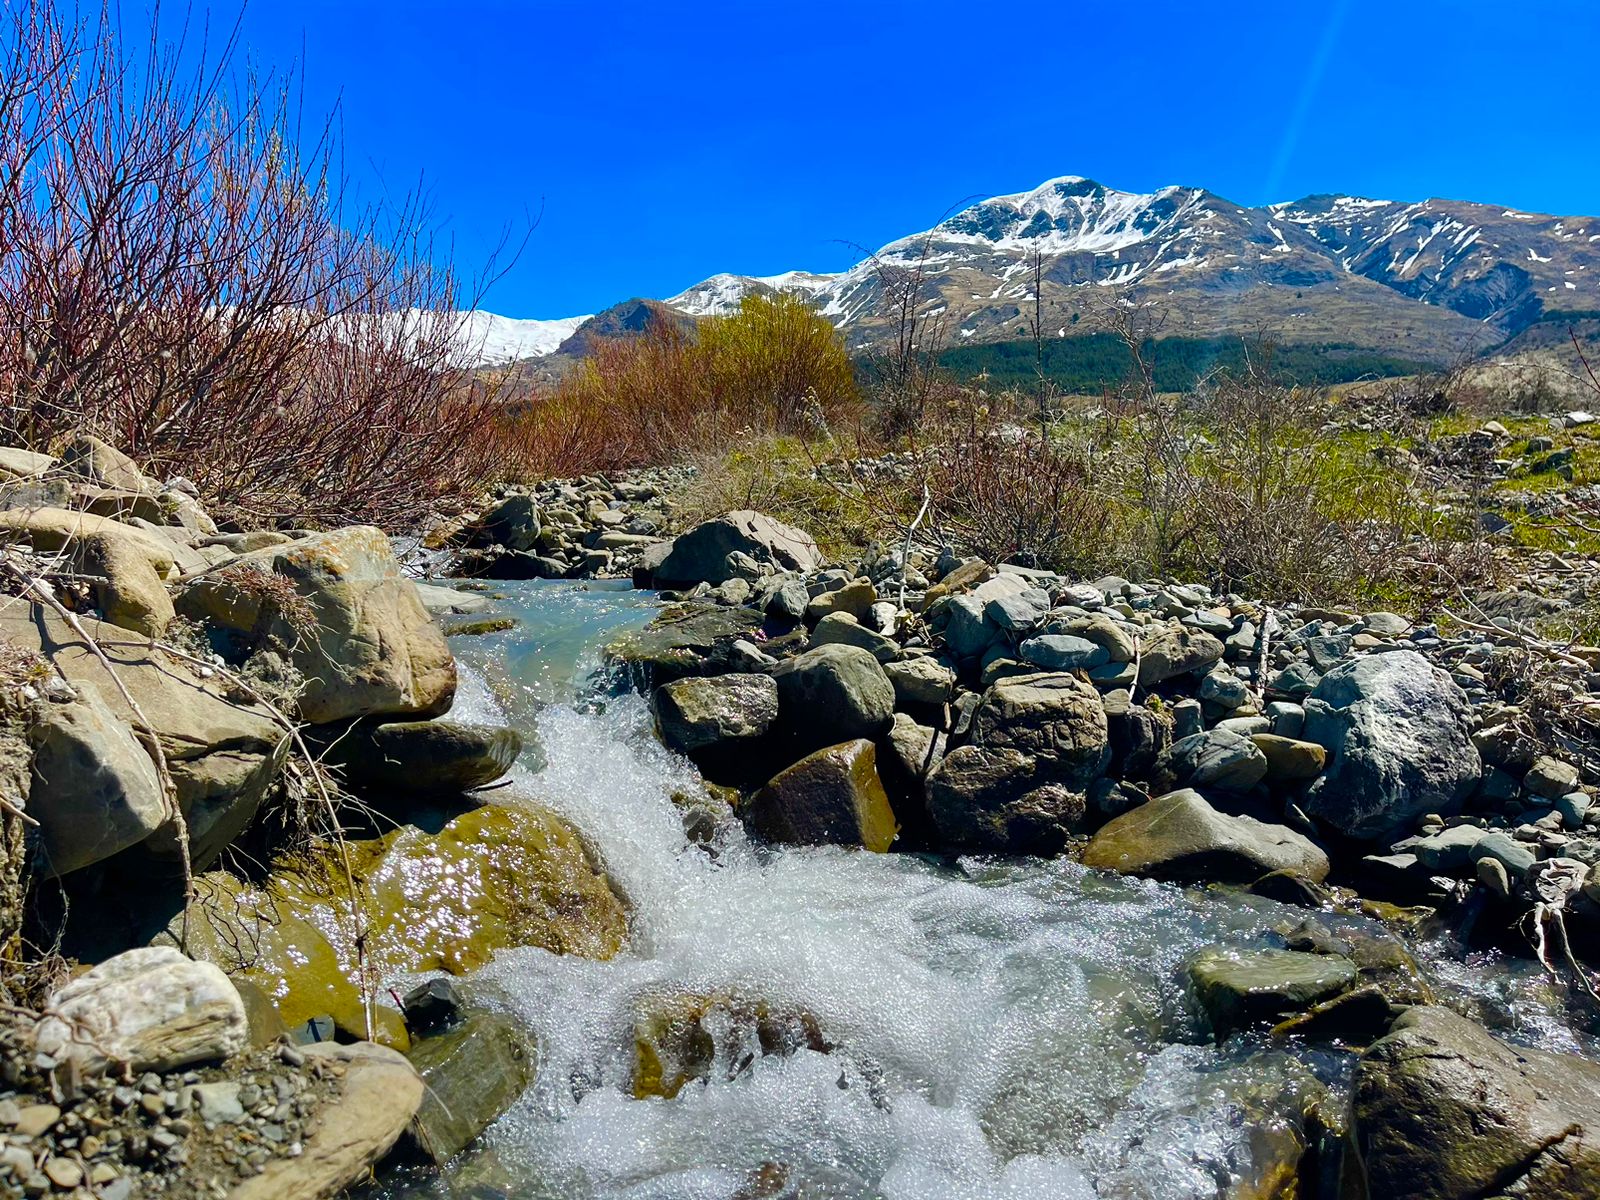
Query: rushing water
x=1000, y=1029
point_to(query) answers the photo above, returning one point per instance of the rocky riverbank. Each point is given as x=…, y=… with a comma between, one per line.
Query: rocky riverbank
x=237, y=799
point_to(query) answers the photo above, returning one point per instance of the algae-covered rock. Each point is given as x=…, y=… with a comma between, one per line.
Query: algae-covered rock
x=693, y=1035
x=1240, y=988
x=686, y=639
x=424, y=758
x=494, y=877
x=472, y=1073
x=833, y=796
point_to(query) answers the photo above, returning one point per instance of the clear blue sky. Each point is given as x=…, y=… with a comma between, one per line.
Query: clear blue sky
x=667, y=140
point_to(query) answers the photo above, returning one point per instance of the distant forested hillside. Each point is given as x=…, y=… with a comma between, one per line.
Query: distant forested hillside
x=1095, y=361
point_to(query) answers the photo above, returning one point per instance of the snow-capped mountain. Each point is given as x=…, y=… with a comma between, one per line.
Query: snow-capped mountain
x=1436, y=277
x=490, y=340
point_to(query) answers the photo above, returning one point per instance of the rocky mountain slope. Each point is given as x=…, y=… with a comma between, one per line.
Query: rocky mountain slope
x=1430, y=278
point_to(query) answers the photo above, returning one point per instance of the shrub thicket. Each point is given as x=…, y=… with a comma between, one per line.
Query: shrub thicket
x=184, y=271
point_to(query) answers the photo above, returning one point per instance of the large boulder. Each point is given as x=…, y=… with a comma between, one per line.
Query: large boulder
x=1396, y=729
x=149, y=1009
x=832, y=797
x=1038, y=742
x=222, y=753
x=128, y=592
x=352, y=626
x=513, y=523
x=701, y=555
x=833, y=694
x=706, y=714
x=380, y=1094
x=424, y=758
x=61, y=529
x=1182, y=839
x=1444, y=1111
x=95, y=789
x=471, y=1074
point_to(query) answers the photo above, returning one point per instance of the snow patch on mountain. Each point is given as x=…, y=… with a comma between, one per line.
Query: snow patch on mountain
x=488, y=339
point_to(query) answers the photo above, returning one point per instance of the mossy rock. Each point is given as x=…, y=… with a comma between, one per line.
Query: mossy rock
x=494, y=877
x=686, y=639
x=675, y=1038
x=481, y=626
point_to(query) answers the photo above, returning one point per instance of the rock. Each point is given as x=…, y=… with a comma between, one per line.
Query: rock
x=907, y=754
x=1444, y=1111
x=1289, y=760
x=1549, y=778
x=1174, y=650
x=1447, y=851
x=132, y=595
x=711, y=713
x=481, y=627
x=16, y=463
x=432, y=1006
x=701, y=555
x=513, y=523
x=381, y=1093
x=1356, y=1018
x=787, y=601
x=440, y=600
x=1492, y=873
x=1395, y=728
x=148, y=1009
x=1240, y=988
x=921, y=679
x=844, y=630
x=1180, y=838
x=686, y=639
x=424, y=758
x=1054, y=717
x=218, y=1103
x=996, y=799
x=349, y=622
x=1290, y=887
x=1515, y=856
x=675, y=1038
x=1100, y=629
x=1063, y=652
x=222, y=753
x=470, y=1074
x=1138, y=735
x=1214, y=759
x=95, y=460
x=855, y=599
x=833, y=694
x=95, y=788
x=493, y=877
x=51, y=529
x=1020, y=613
x=831, y=797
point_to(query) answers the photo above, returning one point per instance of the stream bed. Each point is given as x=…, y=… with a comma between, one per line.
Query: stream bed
x=997, y=1028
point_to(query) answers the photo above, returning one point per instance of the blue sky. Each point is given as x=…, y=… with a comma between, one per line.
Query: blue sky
x=666, y=141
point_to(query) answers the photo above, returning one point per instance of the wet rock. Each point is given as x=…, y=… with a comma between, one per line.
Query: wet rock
x=701, y=555
x=1395, y=728
x=440, y=600
x=686, y=639
x=996, y=799
x=470, y=1074
x=1240, y=988
x=432, y=1006
x=425, y=758
x=380, y=1094
x=1356, y=1018
x=701, y=714
x=830, y=797
x=833, y=694
x=907, y=755
x=1444, y=1111
x=149, y=1009
x=1180, y=838
x=690, y=1036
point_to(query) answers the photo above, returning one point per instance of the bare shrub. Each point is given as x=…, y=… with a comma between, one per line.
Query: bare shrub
x=184, y=270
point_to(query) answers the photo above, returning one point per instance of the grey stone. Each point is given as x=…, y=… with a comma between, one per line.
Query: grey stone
x=921, y=679
x=1173, y=650
x=701, y=555
x=702, y=713
x=832, y=694
x=1240, y=988
x=1395, y=728
x=1215, y=759
x=840, y=628
x=1063, y=652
